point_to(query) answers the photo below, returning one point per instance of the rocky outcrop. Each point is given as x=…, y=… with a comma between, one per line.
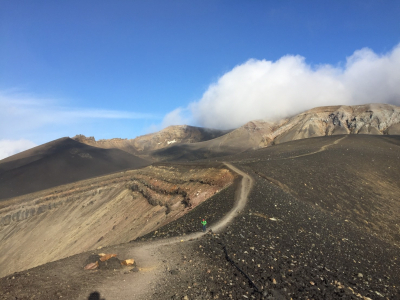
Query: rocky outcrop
x=334, y=120
x=168, y=136
x=323, y=121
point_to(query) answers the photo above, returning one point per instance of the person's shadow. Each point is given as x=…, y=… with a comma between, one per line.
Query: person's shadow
x=95, y=296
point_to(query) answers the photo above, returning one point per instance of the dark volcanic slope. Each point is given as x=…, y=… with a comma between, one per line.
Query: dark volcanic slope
x=354, y=177
x=59, y=162
x=322, y=222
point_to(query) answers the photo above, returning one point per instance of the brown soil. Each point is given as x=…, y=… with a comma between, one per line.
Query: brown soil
x=153, y=259
x=104, y=211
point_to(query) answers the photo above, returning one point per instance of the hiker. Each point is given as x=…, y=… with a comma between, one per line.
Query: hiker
x=204, y=222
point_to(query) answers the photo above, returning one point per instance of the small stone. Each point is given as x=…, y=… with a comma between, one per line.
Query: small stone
x=379, y=294
x=273, y=281
x=360, y=275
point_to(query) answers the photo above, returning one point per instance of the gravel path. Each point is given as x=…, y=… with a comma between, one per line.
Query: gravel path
x=150, y=256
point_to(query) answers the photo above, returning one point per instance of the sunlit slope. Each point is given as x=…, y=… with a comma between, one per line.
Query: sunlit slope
x=65, y=220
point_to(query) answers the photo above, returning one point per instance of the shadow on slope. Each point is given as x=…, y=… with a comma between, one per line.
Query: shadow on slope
x=59, y=162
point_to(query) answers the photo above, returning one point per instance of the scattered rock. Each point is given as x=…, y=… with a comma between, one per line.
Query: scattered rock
x=111, y=264
x=92, y=266
x=107, y=257
x=92, y=259
x=128, y=262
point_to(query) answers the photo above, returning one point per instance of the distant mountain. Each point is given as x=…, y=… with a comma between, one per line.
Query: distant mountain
x=59, y=162
x=334, y=120
x=190, y=143
x=168, y=136
x=375, y=119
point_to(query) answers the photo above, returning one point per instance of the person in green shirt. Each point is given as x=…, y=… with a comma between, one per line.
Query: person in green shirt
x=204, y=223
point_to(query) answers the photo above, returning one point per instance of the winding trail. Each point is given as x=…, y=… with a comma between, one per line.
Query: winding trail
x=151, y=257
x=323, y=148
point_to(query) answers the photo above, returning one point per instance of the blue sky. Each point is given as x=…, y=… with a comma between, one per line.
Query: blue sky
x=124, y=68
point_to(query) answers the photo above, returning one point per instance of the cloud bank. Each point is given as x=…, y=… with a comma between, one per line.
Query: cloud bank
x=11, y=147
x=261, y=89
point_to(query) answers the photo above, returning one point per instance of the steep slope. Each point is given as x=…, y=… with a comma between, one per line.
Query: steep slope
x=168, y=136
x=334, y=120
x=99, y=212
x=59, y=162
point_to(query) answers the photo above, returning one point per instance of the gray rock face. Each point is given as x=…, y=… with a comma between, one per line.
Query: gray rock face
x=333, y=120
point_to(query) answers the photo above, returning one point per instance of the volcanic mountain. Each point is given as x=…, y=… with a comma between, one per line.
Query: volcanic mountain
x=378, y=119
x=59, y=162
x=320, y=222
x=291, y=217
x=144, y=144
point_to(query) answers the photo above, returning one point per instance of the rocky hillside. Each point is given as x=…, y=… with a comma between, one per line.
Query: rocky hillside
x=99, y=212
x=375, y=119
x=321, y=121
x=333, y=120
x=168, y=136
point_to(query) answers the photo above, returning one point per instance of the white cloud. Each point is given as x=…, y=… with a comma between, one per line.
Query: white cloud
x=176, y=117
x=21, y=113
x=261, y=89
x=11, y=147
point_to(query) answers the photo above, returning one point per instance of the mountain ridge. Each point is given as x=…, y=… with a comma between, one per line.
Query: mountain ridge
x=154, y=141
x=59, y=162
x=175, y=141
x=375, y=119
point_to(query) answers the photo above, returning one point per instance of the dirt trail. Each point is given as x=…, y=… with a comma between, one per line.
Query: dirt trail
x=152, y=257
x=323, y=148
